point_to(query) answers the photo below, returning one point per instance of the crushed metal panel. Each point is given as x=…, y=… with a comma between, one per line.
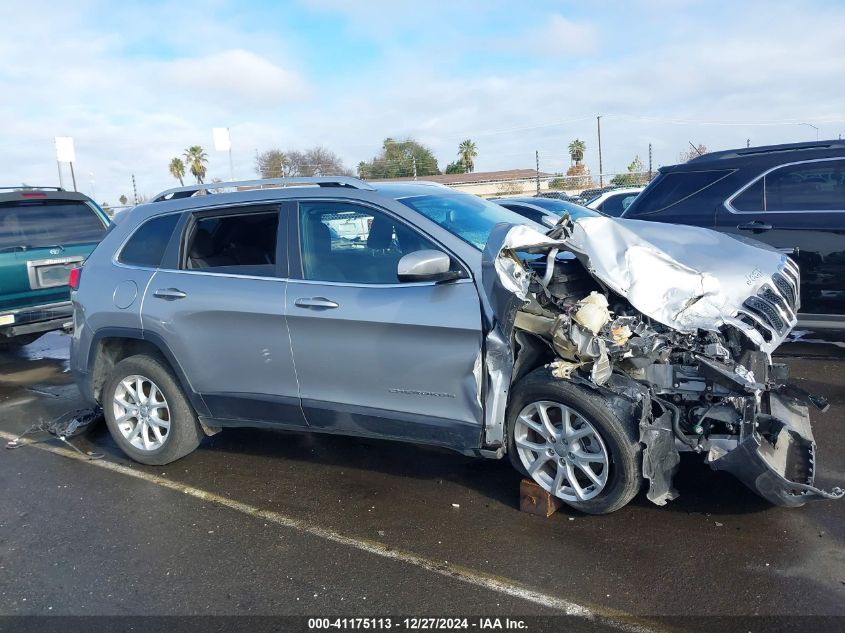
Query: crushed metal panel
x=685, y=277
x=660, y=458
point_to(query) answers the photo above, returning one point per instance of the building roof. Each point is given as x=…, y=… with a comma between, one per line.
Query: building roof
x=476, y=177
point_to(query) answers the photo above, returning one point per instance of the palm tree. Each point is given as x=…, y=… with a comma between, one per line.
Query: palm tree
x=576, y=150
x=467, y=152
x=177, y=170
x=197, y=159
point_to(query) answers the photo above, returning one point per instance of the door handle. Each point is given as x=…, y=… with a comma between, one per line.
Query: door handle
x=756, y=225
x=169, y=294
x=316, y=303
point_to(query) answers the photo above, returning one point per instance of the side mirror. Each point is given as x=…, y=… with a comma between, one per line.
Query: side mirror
x=426, y=265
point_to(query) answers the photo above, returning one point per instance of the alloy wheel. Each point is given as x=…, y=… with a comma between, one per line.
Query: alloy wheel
x=141, y=413
x=561, y=450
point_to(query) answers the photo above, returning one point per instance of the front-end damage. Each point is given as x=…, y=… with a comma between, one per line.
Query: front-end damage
x=675, y=326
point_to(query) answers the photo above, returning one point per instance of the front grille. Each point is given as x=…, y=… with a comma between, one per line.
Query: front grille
x=765, y=310
x=788, y=291
x=773, y=311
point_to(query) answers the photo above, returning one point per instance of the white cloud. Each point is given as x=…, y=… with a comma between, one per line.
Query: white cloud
x=562, y=35
x=235, y=77
x=130, y=111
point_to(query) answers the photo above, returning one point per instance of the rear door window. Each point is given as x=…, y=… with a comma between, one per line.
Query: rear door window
x=811, y=186
x=147, y=245
x=817, y=186
x=237, y=243
x=29, y=224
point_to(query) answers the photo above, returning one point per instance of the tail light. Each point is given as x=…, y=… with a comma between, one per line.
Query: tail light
x=75, y=277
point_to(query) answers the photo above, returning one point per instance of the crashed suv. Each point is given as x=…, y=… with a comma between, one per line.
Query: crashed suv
x=591, y=355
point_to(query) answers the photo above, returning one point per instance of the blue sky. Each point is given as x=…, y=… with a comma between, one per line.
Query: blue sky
x=136, y=83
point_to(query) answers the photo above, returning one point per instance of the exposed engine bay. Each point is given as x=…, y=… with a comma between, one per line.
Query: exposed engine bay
x=657, y=319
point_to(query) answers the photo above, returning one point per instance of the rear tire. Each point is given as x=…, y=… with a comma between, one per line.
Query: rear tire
x=597, y=440
x=147, y=412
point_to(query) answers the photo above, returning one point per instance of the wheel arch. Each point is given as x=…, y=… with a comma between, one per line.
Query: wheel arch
x=111, y=345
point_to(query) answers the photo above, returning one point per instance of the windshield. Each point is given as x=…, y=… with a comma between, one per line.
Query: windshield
x=29, y=224
x=469, y=217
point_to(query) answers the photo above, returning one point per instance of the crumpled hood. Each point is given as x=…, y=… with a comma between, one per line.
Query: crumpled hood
x=687, y=278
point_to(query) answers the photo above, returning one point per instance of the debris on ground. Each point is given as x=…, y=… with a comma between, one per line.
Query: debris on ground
x=64, y=427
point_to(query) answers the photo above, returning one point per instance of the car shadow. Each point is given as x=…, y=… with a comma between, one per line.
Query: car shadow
x=702, y=490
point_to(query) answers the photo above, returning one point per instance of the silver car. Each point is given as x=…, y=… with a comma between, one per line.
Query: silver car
x=590, y=355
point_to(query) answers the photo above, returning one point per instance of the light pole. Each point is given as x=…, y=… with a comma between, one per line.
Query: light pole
x=601, y=171
x=814, y=127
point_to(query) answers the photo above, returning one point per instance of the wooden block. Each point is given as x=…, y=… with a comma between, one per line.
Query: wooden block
x=534, y=500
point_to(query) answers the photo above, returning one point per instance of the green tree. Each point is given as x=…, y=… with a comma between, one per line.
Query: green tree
x=177, y=170
x=398, y=159
x=456, y=168
x=635, y=176
x=196, y=160
x=123, y=200
x=576, y=150
x=272, y=164
x=467, y=153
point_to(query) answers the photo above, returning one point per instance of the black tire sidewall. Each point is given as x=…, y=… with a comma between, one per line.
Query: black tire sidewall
x=619, y=435
x=185, y=432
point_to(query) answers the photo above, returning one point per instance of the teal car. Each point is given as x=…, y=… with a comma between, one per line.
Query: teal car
x=44, y=233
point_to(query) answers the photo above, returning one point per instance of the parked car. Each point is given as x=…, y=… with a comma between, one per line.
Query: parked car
x=615, y=201
x=545, y=211
x=589, y=355
x=587, y=195
x=557, y=195
x=791, y=197
x=44, y=232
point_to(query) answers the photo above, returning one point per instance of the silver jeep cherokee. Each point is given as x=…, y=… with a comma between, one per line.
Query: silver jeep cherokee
x=591, y=354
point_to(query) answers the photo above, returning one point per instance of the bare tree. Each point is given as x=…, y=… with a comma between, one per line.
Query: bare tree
x=692, y=152
x=317, y=161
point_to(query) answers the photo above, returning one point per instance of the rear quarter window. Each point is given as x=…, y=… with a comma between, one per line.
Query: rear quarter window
x=38, y=223
x=147, y=245
x=673, y=188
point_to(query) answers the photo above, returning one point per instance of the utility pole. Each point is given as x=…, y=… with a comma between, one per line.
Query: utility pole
x=414, y=161
x=134, y=190
x=601, y=170
x=649, y=162
x=537, y=158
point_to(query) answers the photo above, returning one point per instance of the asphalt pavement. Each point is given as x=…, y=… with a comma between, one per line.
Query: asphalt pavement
x=263, y=522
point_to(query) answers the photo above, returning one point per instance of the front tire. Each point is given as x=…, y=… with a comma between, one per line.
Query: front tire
x=147, y=412
x=570, y=440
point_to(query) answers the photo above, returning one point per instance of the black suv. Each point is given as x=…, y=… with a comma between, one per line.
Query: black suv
x=791, y=197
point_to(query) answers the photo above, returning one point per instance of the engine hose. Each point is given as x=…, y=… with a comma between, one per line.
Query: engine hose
x=676, y=423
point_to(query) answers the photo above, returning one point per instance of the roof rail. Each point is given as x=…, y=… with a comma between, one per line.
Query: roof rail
x=322, y=181
x=29, y=188
x=768, y=149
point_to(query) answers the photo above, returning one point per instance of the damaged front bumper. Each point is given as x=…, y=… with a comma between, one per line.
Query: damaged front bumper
x=776, y=455
x=682, y=345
